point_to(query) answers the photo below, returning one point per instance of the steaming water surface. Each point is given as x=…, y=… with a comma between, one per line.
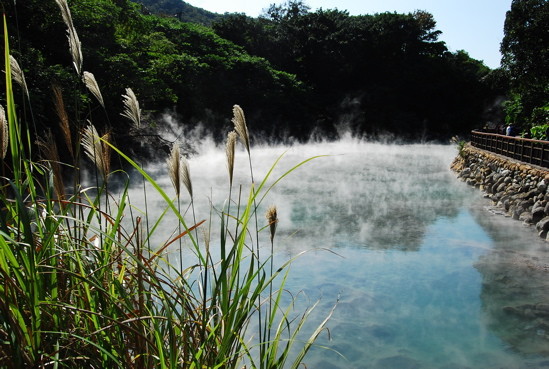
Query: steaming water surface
x=426, y=274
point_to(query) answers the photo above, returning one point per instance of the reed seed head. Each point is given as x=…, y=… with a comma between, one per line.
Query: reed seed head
x=63, y=117
x=4, y=133
x=98, y=151
x=272, y=218
x=231, y=141
x=74, y=42
x=132, y=110
x=105, y=139
x=186, y=176
x=239, y=121
x=76, y=50
x=18, y=75
x=91, y=84
x=207, y=239
x=173, y=167
x=65, y=12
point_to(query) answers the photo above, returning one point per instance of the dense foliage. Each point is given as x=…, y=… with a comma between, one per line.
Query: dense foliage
x=179, y=9
x=379, y=73
x=383, y=72
x=295, y=71
x=525, y=50
x=183, y=67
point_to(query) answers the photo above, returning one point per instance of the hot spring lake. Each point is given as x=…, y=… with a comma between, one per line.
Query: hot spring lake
x=424, y=268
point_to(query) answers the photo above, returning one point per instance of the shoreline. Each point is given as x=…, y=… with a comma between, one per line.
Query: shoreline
x=519, y=189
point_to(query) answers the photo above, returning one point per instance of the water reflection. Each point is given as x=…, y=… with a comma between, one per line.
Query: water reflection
x=515, y=287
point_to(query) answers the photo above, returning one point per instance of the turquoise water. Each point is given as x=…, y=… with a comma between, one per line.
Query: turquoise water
x=420, y=309
x=421, y=269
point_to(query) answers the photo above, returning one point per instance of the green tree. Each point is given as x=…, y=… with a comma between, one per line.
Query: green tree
x=379, y=72
x=169, y=64
x=178, y=9
x=294, y=70
x=525, y=50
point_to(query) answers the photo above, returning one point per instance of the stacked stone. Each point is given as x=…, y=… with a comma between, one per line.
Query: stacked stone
x=520, y=189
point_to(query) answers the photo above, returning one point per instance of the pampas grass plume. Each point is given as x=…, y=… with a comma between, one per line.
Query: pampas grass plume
x=92, y=145
x=206, y=236
x=239, y=121
x=18, y=75
x=272, y=218
x=174, y=171
x=132, y=110
x=91, y=84
x=76, y=50
x=65, y=12
x=186, y=176
x=4, y=134
x=98, y=151
x=231, y=141
x=63, y=117
x=74, y=41
x=106, y=153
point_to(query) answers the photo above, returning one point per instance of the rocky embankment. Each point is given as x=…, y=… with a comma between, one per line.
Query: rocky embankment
x=517, y=188
x=514, y=289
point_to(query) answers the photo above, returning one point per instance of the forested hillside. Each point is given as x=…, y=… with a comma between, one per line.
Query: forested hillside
x=179, y=9
x=294, y=71
x=373, y=72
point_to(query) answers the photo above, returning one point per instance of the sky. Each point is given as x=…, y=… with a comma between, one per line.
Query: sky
x=475, y=26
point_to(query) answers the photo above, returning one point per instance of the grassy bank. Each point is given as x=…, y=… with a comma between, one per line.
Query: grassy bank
x=83, y=284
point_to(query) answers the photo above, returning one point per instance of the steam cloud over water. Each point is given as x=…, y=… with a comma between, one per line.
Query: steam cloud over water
x=417, y=284
x=357, y=187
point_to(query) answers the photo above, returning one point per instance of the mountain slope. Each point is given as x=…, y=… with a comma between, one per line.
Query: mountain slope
x=183, y=11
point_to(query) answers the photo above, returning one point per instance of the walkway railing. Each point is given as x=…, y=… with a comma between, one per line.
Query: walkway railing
x=524, y=149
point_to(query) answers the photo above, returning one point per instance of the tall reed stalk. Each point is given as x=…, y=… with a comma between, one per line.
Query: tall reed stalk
x=174, y=171
x=90, y=286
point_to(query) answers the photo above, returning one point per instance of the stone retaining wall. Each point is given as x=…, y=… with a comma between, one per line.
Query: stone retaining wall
x=518, y=188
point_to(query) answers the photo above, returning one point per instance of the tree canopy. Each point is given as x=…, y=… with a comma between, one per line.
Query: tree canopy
x=171, y=65
x=294, y=71
x=179, y=9
x=525, y=50
x=381, y=72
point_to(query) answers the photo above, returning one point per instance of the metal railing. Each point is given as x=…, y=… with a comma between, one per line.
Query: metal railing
x=524, y=149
